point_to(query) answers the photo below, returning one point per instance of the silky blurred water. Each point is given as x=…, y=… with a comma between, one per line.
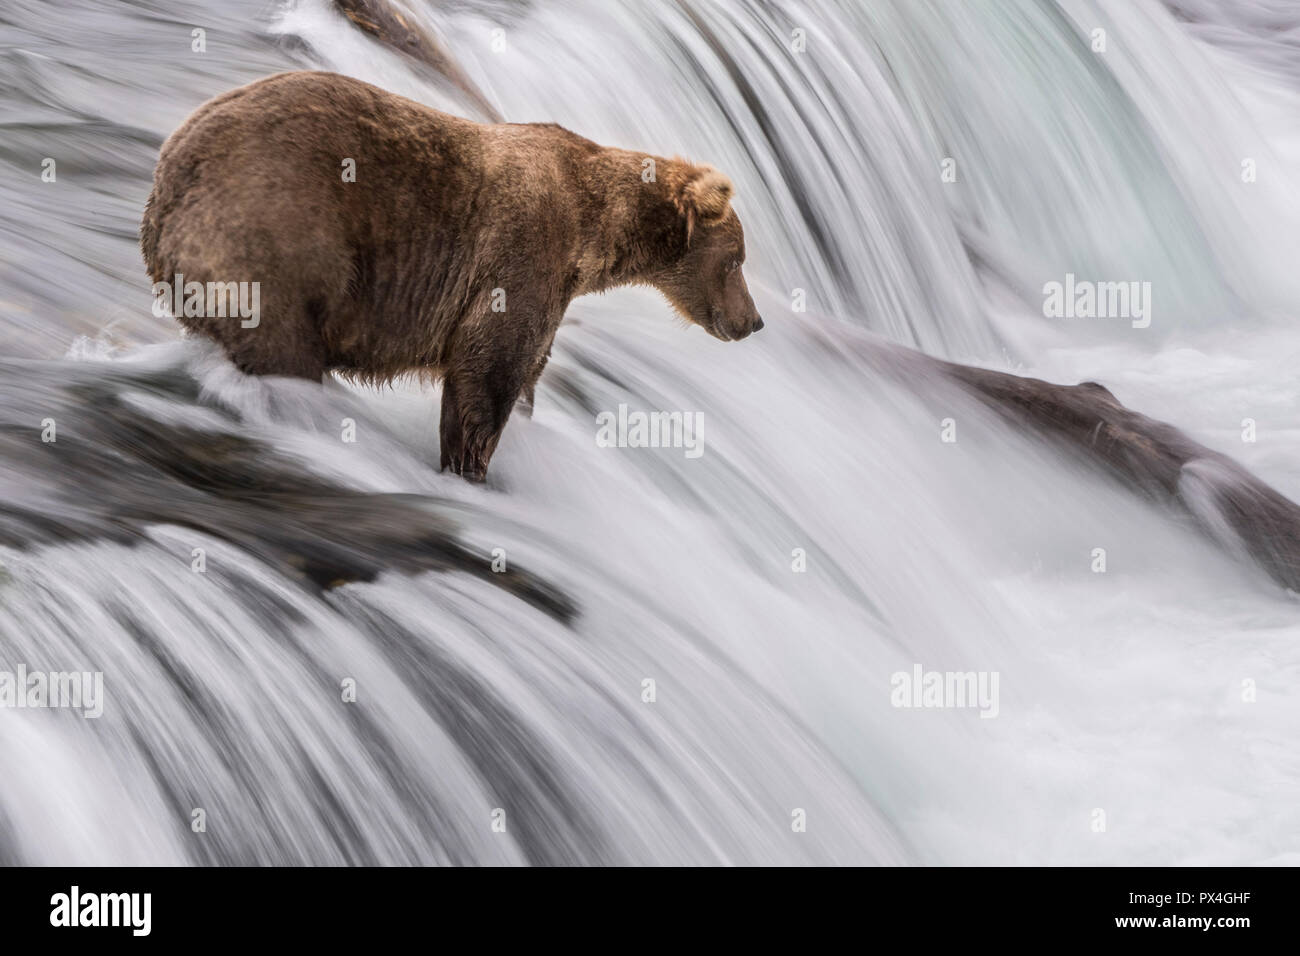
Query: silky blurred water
x=1119, y=691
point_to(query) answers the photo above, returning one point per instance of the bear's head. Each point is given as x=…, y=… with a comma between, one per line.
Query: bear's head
x=703, y=280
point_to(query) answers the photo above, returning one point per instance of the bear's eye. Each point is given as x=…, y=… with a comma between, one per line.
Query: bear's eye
x=733, y=265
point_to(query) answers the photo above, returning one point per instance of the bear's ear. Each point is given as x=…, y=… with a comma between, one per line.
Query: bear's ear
x=703, y=197
x=709, y=192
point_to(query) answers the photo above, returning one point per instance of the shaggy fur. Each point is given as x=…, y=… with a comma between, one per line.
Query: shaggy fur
x=399, y=271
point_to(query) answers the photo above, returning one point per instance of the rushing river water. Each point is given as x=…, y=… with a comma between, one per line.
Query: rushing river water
x=688, y=658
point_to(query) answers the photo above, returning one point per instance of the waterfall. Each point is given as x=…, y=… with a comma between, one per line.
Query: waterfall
x=315, y=648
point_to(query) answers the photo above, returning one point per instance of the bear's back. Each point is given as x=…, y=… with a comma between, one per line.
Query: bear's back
x=302, y=141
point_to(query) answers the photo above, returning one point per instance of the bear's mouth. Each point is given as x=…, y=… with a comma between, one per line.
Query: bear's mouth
x=715, y=327
x=721, y=332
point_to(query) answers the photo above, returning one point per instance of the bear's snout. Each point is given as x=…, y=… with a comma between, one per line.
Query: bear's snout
x=731, y=331
x=753, y=322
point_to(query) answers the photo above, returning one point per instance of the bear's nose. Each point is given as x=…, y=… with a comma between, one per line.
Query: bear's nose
x=758, y=324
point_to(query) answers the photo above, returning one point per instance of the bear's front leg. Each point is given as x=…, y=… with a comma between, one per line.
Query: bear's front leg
x=450, y=428
x=476, y=401
x=527, y=398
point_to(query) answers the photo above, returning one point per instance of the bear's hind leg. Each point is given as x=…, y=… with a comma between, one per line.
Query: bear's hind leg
x=285, y=342
x=308, y=363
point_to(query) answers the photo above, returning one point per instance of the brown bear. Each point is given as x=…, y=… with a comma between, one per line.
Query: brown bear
x=385, y=237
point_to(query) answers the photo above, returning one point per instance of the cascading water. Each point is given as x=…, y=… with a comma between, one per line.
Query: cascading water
x=508, y=717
